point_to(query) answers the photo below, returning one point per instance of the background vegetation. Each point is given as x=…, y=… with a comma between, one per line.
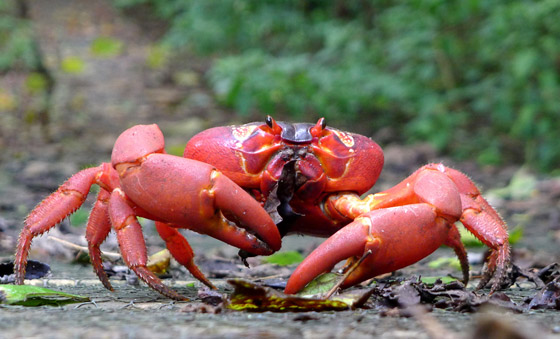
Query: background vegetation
x=16, y=38
x=474, y=78
x=19, y=53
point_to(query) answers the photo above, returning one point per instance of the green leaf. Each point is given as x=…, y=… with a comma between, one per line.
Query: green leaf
x=79, y=218
x=36, y=82
x=158, y=56
x=72, y=65
x=524, y=62
x=432, y=280
x=106, y=47
x=515, y=235
x=452, y=262
x=320, y=285
x=468, y=239
x=284, y=258
x=36, y=296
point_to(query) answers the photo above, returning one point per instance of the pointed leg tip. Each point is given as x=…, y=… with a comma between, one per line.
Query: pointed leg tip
x=108, y=286
x=176, y=296
x=292, y=289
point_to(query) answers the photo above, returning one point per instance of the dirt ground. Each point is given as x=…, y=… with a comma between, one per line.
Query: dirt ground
x=138, y=312
x=114, y=93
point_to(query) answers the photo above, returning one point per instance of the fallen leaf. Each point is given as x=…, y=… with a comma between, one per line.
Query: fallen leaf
x=284, y=258
x=452, y=262
x=210, y=297
x=320, y=285
x=549, y=273
x=105, y=46
x=36, y=296
x=356, y=298
x=251, y=297
x=470, y=240
x=158, y=263
x=433, y=280
x=546, y=298
x=72, y=65
x=452, y=296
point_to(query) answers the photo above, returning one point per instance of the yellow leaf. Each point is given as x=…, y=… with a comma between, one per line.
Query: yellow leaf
x=158, y=263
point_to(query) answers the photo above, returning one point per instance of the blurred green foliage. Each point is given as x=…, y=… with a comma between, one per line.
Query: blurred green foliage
x=284, y=258
x=158, y=56
x=475, y=78
x=17, y=46
x=36, y=82
x=72, y=65
x=107, y=47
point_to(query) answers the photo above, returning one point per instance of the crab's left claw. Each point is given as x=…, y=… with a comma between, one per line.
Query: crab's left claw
x=388, y=233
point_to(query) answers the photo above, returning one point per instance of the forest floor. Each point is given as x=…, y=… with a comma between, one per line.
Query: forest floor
x=115, y=92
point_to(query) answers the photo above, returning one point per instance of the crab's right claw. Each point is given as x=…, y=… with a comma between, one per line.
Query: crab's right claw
x=397, y=237
x=349, y=242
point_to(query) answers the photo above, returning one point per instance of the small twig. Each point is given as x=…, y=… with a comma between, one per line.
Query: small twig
x=92, y=302
x=347, y=274
x=130, y=304
x=169, y=305
x=108, y=255
x=275, y=276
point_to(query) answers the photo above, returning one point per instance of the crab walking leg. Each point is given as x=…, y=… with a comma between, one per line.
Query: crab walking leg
x=132, y=244
x=487, y=225
x=52, y=210
x=454, y=241
x=180, y=249
x=397, y=237
x=97, y=230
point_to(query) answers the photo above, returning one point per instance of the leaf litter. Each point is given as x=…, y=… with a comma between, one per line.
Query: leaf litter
x=26, y=295
x=392, y=297
x=396, y=297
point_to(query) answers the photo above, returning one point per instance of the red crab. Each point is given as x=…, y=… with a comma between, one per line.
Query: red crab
x=250, y=185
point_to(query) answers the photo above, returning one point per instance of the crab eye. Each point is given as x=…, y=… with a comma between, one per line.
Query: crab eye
x=269, y=121
x=275, y=128
x=319, y=127
x=323, y=123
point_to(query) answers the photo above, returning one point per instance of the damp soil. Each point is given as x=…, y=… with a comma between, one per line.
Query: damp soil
x=139, y=312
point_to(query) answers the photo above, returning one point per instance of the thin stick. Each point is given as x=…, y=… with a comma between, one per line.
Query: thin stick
x=346, y=275
x=108, y=255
